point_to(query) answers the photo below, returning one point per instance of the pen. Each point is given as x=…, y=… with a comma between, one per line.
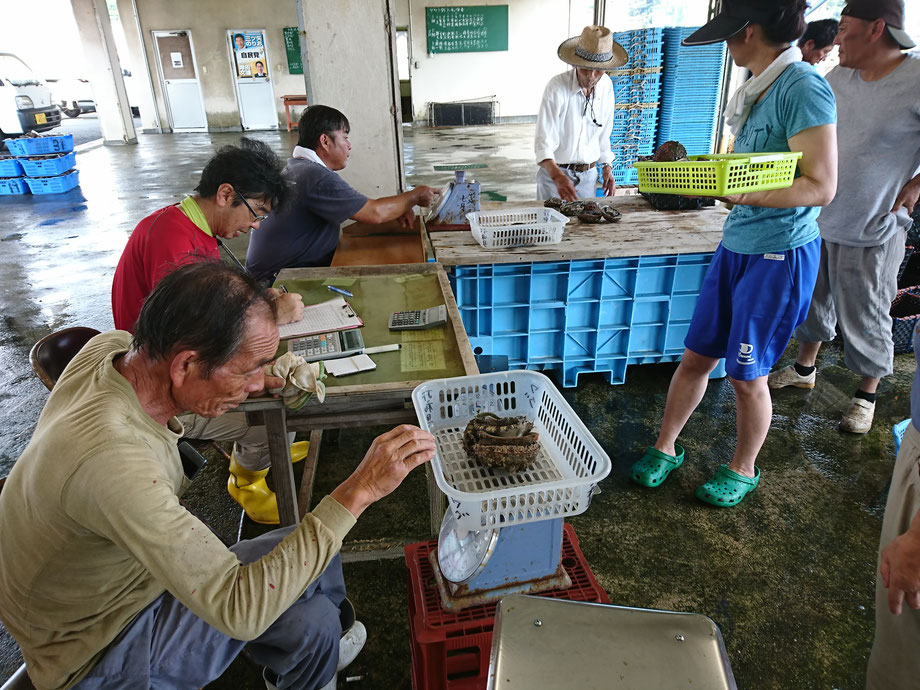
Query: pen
x=283, y=289
x=340, y=291
x=381, y=348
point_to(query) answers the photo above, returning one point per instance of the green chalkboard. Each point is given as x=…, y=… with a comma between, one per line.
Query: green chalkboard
x=467, y=29
x=292, y=48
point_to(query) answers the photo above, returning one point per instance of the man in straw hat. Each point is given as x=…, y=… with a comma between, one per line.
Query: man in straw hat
x=863, y=229
x=576, y=116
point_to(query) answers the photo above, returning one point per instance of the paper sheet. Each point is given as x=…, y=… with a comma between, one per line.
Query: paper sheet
x=333, y=315
x=425, y=356
x=437, y=333
x=349, y=365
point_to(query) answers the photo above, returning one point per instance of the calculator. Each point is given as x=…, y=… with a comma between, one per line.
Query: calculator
x=327, y=345
x=417, y=319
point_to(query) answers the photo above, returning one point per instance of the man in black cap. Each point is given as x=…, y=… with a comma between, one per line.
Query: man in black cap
x=863, y=228
x=576, y=118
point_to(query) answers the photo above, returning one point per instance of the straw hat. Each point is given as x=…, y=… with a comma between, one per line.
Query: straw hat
x=594, y=49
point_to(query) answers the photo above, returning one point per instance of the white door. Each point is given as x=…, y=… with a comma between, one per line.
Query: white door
x=179, y=74
x=251, y=75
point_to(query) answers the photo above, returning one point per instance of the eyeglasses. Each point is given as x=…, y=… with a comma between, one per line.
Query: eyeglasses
x=255, y=216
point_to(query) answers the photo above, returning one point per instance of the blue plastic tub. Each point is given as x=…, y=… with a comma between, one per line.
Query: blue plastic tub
x=13, y=185
x=47, y=167
x=10, y=167
x=53, y=185
x=40, y=146
x=593, y=315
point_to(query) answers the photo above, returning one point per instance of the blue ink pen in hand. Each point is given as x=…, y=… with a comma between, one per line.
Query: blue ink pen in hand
x=340, y=291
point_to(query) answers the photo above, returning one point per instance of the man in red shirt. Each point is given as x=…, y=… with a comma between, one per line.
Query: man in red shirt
x=237, y=189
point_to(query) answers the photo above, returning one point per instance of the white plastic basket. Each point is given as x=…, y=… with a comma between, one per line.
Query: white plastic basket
x=520, y=227
x=568, y=467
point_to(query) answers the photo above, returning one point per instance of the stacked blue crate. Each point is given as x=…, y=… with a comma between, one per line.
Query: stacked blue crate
x=690, y=90
x=637, y=92
x=581, y=316
x=11, y=176
x=48, y=163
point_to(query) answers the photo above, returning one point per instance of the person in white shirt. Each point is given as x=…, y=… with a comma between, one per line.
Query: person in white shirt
x=576, y=117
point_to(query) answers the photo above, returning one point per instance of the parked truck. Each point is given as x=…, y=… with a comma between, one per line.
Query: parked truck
x=26, y=103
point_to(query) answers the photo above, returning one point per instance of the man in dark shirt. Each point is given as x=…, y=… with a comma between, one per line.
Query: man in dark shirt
x=306, y=231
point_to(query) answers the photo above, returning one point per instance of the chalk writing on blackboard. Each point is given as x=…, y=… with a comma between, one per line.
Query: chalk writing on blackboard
x=467, y=29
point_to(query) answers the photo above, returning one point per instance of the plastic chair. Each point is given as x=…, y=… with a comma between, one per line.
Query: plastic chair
x=52, y=353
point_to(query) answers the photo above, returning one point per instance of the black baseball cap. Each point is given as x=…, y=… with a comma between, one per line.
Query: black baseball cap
x=734, y=17
x=891, y=11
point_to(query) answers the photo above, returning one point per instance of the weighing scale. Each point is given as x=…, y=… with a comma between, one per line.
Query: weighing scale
x=502, y=532
x=458, y=197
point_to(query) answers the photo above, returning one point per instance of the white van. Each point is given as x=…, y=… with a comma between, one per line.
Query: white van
x=25, y=101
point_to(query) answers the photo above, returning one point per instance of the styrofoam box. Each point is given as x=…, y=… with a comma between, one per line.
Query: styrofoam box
x=568, y=467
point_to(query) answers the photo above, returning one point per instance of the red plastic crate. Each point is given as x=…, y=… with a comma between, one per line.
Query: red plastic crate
x=450, y=649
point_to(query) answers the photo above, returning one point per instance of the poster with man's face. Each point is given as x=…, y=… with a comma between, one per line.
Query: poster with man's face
x=249, y=55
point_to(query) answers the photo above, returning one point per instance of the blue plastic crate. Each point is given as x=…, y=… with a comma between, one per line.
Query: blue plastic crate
x=13, y=185
x=10, y=167
x=585, y=316
x=897, y=431
x=40, y=146
x=53, y=185
x=47, y=167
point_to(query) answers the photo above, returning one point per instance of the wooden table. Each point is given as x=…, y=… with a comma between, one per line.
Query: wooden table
x=642, y=231
x=288, y=101
x=607, y=296
x=382, y=396
x=362, y=244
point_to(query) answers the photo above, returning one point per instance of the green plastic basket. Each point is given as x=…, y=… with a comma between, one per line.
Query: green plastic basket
x=719, y=175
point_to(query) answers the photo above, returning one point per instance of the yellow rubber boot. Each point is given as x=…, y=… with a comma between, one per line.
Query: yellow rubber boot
x=251, y=491
x=299, y=451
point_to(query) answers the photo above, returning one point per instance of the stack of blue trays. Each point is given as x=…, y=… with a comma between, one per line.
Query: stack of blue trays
x=637, y=95
x=691, y=85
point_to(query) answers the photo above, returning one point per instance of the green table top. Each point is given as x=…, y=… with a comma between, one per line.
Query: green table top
x=428, y=354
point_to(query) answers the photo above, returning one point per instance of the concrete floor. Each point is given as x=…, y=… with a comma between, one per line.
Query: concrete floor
x=788, y=576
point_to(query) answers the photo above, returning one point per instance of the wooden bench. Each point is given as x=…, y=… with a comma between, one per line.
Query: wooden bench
x=288, y=101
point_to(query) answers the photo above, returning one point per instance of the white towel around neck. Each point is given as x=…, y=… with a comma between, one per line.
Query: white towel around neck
x=309, y=154
x=739, y=107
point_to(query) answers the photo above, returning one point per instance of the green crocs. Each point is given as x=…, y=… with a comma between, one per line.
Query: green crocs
x=727, y=487
x=654, y=467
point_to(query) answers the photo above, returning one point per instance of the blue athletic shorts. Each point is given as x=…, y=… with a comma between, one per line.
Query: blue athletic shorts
x=750, y=304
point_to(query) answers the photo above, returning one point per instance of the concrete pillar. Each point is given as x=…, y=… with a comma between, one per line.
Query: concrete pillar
x=140, y=68
x=104, y=71
x=349, y=63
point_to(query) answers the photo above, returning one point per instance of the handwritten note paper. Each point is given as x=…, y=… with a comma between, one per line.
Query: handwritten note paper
x=425, y=356
x=333, y=315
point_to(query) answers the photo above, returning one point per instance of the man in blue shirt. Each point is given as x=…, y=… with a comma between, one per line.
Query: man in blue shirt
x=306, y=231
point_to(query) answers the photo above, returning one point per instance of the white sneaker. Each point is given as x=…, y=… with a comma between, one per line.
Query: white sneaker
x=351, y=644
x=788, y=376
x=858, y=416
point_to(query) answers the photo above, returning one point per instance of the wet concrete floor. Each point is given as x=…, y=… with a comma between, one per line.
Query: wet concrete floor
x=788, y=575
